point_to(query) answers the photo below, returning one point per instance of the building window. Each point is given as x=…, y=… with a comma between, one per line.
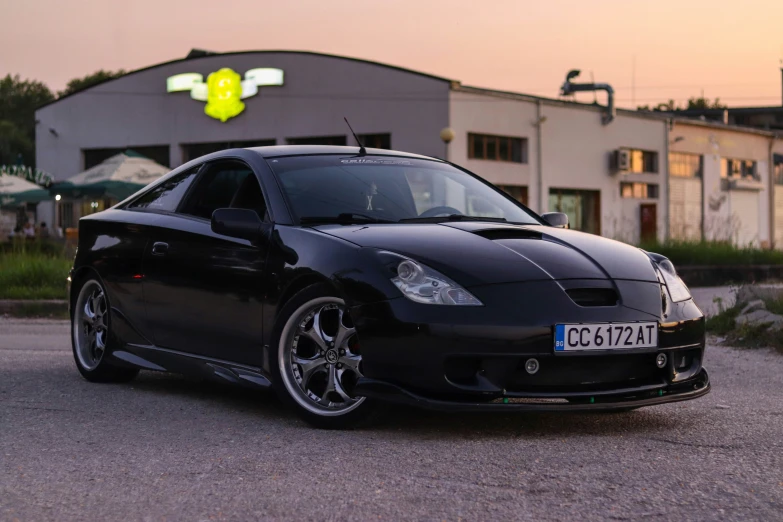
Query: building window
x=497, y=148
x=583, y=208
x=738, y=169
x=192, y=151
x=639, y=190
x=777, y=169
x=643, y=161
x=683, y=165
x=157, y=153
x=318, y=140
x=517, y=192
x=376, y=141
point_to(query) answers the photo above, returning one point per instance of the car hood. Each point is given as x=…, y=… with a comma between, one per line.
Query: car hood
x=477, y=253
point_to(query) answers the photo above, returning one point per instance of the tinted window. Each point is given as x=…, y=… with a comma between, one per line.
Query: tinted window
x=217, y=189
x=168, y=194
x=388, y=189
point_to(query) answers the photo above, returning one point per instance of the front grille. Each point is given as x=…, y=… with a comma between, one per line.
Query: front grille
x=557, y=374
x=593, y=296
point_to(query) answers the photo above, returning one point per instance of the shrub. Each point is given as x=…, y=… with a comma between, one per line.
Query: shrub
x=716, y=253
x=747, y=335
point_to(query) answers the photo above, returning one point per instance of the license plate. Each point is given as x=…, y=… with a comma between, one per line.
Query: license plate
x=606, y=336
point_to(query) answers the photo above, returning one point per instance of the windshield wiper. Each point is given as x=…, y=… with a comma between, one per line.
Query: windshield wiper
x=452, y=217
x=348, y=218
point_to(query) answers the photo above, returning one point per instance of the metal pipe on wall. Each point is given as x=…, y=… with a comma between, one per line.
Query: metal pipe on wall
x=771, y=187
x=667, y=128
x=539, y=157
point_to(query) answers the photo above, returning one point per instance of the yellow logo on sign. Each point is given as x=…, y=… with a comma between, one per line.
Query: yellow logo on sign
x=224, y=90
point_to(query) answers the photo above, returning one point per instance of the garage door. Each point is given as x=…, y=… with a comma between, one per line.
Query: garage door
x=685, y=208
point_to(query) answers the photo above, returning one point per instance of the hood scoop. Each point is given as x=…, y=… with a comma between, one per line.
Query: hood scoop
x=496, y=234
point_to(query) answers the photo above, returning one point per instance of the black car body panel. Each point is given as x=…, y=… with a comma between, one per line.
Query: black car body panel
x=207, y=304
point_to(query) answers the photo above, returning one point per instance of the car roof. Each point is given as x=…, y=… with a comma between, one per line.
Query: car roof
x=296, y=150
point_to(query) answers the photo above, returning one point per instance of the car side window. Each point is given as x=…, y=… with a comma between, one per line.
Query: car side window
x=168, y=194
x=226, y=185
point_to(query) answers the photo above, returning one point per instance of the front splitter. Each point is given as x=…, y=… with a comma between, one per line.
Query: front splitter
x=693, y=389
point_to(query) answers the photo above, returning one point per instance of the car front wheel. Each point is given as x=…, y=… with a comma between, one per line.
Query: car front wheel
x=318, y=360
x=90, y=336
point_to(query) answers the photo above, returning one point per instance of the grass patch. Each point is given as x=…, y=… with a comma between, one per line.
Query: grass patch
x=723, y=323
x=33, y=274
x=747, y=335
x=716, y=253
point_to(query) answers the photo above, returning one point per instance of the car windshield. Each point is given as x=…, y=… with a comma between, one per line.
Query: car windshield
x=389, y=189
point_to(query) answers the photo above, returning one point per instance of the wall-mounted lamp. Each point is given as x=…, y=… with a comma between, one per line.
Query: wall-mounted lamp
x=58, y=197
x=447, y=135
x=53, y=132
x=677, y=140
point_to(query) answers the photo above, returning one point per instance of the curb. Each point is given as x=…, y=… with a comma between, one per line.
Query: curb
x=34, y=308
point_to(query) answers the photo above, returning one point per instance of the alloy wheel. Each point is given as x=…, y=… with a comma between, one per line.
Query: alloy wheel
x=91, y=325
x=319, y=357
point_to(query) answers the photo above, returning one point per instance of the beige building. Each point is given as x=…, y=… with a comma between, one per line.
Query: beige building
x=569, y=160
x=722, y=184
x=632, y=175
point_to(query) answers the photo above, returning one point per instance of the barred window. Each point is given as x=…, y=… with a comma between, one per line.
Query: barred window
x=739, y=169
x=639, y=190
x=643, y=161
x=497, y=148
x=684, y=165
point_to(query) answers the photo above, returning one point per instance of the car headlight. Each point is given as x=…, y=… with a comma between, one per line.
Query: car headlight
x=677, y=289
x=422, y=284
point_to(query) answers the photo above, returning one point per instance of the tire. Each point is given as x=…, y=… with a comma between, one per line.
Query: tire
x=90, y=335
x=314, y=329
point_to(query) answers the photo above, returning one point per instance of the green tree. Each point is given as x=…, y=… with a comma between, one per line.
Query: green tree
x=668, y=106
x=694, y=103
x=18, y=101
x=704, y=103
x=79, y=84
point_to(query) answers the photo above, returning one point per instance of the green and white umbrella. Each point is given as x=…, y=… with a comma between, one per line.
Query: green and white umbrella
x=117, y=177
x=15, y=190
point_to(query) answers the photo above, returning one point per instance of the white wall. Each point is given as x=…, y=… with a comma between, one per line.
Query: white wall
x=477, y=113
x=576, y=154
x=576, y=150
x=319, y=91
x=742, y=216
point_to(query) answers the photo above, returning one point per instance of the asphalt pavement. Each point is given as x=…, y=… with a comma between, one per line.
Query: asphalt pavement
x=167, y=448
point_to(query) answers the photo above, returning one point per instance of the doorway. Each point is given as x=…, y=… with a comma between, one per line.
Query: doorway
x=648, y=222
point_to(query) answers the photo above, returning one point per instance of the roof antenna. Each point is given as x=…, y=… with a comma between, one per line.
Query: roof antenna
x=362, y=150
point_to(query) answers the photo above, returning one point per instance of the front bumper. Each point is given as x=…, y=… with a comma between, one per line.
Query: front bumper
x=468, y=358
x=615, y=400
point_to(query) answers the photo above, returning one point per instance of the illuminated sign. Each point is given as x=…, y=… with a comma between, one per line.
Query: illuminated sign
x=224, y=90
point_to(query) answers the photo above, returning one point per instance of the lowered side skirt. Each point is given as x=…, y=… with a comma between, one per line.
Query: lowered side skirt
x=150, y=357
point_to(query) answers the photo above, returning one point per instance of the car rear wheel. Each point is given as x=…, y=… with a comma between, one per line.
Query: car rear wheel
x=318, y=360
x=90, y=336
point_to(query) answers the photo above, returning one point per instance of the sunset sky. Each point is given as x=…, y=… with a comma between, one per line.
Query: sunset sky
x=730, y=50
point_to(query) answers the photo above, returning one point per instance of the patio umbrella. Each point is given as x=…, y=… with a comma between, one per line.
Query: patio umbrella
x=14, y=191
x=117, y=177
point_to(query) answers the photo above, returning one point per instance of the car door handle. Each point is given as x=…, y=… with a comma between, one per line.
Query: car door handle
x=160, y=249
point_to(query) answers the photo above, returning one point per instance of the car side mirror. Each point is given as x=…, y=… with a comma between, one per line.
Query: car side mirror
x=237, y=222
x=556, y=219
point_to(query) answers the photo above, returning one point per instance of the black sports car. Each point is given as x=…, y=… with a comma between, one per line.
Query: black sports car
x=341, y=278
